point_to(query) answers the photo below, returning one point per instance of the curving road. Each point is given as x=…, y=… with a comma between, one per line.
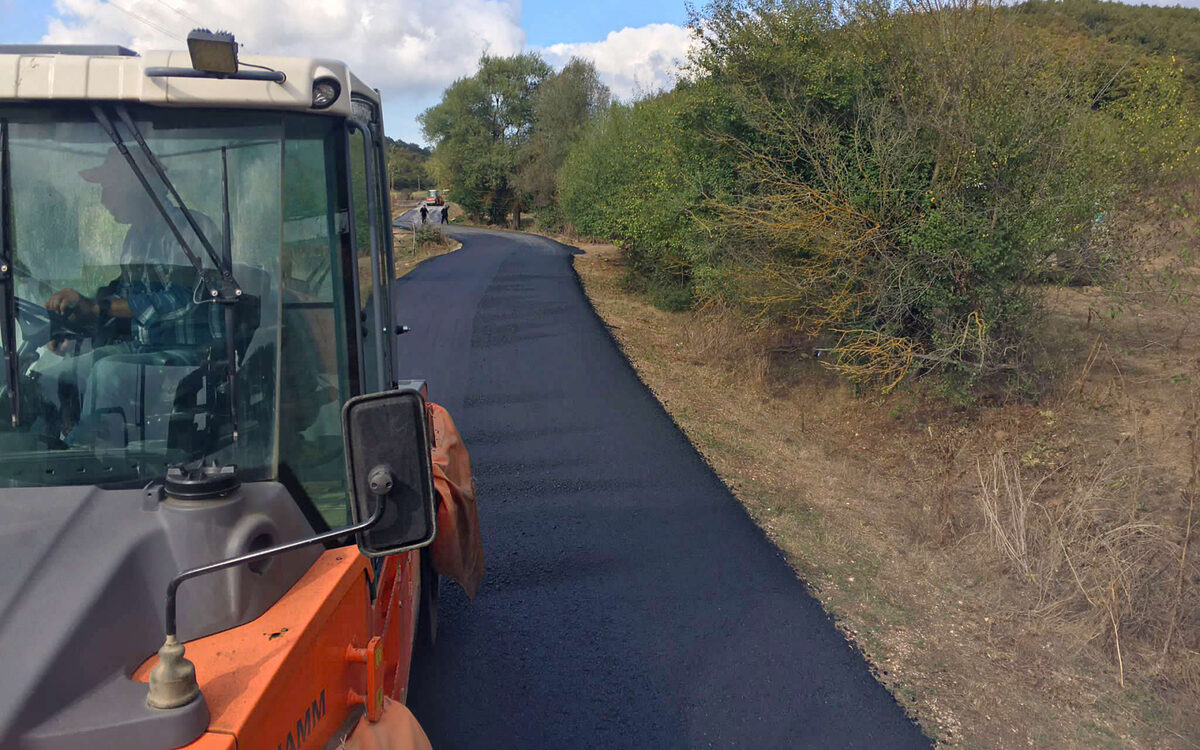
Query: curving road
x=629, y=600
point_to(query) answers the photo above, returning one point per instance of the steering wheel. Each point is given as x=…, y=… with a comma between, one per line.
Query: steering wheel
x=39, y=326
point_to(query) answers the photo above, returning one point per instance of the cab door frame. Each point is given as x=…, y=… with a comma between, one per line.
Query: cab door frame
x=380, y=249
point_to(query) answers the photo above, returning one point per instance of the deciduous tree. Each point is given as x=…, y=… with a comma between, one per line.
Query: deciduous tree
x=479, y=130
x=564, y=105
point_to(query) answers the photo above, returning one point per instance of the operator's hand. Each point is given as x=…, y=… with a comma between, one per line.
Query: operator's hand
x=73, y=305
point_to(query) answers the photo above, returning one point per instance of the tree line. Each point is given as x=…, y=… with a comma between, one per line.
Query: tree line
x=503, y=133
x=893, y=183
x=406, y=166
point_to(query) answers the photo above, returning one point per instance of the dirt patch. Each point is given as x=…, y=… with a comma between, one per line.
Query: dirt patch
x=409, y=251
x=1013, y=572
x=411, y=247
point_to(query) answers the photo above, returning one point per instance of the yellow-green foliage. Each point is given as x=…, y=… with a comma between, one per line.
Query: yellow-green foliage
x=639, y=177
x=894, y=179
x=1145, y=29
x=1156, y=118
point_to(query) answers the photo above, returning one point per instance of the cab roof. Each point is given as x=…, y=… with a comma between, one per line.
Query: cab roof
x=31, y=73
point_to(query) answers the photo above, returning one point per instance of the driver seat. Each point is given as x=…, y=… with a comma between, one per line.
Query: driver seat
x=177, y=398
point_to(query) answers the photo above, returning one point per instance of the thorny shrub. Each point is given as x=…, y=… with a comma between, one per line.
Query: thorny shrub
x=897, y=181
x=428, y=234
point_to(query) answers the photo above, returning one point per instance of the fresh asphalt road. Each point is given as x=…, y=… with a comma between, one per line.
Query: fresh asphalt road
x=629, y=600
x=412, y=216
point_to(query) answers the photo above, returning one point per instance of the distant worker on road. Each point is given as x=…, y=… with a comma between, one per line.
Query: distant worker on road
x=445, y=212
x=424, y=213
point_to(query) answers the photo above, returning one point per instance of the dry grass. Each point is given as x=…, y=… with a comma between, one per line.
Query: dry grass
x=411, y=248
x=1093, y=564
x=1018, y=575
x=429, y=243
x=409, y=253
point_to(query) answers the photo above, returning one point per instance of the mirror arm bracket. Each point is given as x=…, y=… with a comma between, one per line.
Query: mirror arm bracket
x=249, y=557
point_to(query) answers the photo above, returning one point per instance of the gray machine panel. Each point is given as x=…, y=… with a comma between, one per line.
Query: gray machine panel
x=85, y=572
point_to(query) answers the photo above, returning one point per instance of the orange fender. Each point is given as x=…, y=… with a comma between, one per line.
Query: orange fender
x=397, y=729
x=457, y=549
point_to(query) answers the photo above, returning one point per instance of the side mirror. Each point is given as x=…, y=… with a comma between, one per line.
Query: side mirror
x=391, y=500
x=387, y=461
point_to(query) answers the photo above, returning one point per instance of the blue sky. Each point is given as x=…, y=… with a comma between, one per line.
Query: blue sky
x=24, y=21
x=545, y=21
x=550, y=22
x=410, y=49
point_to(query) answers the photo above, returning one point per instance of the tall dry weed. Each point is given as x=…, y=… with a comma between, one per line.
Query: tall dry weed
x=1122, y=581
x=721, y=336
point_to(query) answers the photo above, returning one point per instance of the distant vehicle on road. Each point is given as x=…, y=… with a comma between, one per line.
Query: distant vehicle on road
x=434, y=199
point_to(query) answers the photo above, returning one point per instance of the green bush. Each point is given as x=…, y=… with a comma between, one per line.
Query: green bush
x=641, y=177
x=426, y=234
x=897, y=180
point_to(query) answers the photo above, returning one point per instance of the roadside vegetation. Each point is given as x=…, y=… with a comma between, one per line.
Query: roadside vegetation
x=940, y=260
x=412, y=246
x=406, y=167
x=503, y=134
x=889, y=187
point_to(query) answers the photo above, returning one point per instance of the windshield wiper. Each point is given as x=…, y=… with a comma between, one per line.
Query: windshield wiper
x=231, y=353
x=224, y=289
x=227, y=289
x=8, y=290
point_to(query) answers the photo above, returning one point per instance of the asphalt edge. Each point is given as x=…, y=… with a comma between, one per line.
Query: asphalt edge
x=571, y=252
x=841, y=628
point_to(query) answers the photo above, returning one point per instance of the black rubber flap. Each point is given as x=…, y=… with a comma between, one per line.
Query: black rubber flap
x=391, y=430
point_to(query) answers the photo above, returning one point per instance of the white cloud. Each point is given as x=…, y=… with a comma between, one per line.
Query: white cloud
x=632, y=61
x=410, y=49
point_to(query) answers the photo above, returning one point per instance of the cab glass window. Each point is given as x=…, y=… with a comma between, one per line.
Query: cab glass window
x=124, y=363
x=363, y=197
x=315, y=378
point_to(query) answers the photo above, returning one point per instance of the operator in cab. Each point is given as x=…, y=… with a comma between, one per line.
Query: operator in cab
x=152, y=315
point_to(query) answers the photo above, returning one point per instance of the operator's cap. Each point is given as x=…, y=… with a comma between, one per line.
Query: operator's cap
x=113, y=166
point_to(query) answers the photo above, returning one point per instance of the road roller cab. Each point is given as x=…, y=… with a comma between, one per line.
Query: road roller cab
x=216, y=492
